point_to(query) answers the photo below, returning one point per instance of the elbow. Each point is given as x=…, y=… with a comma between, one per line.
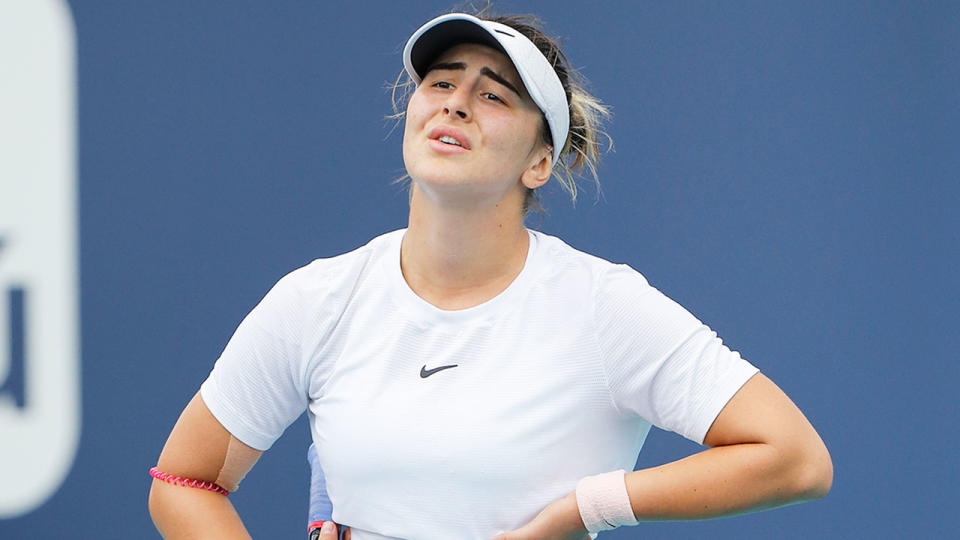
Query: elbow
x=824, y=476
x=813, y=473
x=159, y=506
x=154, y=505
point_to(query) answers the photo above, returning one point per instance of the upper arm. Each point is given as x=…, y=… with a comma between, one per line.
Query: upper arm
x=197, y=448
x=760, y=412
x=662, y=363
x=255, y=390
x=198, y=444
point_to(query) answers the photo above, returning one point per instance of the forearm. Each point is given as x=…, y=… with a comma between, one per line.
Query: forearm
x=726, y=480
x=188, y=513
x=763, y=453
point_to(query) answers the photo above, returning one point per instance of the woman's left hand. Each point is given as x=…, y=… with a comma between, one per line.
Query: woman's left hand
x=560, y=520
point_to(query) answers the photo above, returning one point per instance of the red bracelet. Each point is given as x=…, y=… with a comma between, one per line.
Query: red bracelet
x=186, y=482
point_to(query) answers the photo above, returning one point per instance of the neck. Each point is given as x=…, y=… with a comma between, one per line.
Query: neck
x=456, y=258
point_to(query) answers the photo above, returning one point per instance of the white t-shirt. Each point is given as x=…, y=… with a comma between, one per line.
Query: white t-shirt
x=558, y=377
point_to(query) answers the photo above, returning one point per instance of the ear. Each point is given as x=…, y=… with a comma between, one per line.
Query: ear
x=537, y=174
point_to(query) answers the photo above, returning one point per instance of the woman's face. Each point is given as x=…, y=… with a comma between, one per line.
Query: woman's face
x=471, y=129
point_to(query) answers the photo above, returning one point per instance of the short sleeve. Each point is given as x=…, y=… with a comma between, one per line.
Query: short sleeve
x=257, y=387
x=661, y=362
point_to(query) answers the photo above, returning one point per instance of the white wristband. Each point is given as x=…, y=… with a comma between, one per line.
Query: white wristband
x=603, y=501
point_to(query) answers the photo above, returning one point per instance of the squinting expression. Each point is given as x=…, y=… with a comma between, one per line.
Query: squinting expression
x=470, y=123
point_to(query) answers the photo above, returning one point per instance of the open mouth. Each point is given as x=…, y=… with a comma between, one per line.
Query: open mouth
x=446, y=139
x=449, y=137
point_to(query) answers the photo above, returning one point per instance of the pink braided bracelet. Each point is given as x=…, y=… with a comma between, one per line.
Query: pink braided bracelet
x=186, y=482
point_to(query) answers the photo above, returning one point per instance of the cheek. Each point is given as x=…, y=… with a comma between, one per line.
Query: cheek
x=413, y=120
x=417, y=110
x=514, y=139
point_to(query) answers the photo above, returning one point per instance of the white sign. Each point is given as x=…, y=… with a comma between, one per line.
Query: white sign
x=39, y=308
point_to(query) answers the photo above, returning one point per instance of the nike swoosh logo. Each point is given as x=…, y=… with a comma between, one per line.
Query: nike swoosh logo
x=424, y=372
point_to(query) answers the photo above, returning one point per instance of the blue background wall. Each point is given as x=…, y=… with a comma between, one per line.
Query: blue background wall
x=788, y=171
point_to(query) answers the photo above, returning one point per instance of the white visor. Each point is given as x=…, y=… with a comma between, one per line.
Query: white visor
x=539, y=77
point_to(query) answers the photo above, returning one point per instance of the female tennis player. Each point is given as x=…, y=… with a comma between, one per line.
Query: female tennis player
x=467, y=377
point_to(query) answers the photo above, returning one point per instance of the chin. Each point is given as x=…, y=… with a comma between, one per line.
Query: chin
x=438, y=170
x=439, y=182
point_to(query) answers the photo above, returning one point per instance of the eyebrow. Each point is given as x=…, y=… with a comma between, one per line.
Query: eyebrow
x=483, y=71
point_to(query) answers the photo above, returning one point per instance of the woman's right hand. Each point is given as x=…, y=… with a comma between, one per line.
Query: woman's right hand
x=329, y=532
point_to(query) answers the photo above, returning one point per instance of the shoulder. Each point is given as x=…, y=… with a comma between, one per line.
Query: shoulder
x=615, y=296
x=323, y=286
x=332, y=273
x=602, y=276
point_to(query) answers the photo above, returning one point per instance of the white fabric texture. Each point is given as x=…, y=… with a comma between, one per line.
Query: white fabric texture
x=603, y=501
x=558, y=377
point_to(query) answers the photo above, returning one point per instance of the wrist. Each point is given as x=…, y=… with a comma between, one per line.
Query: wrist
x=603, y=502
x=572, y=513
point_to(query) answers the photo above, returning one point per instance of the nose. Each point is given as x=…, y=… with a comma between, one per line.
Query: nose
x=459, y=112
x=457, y=104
